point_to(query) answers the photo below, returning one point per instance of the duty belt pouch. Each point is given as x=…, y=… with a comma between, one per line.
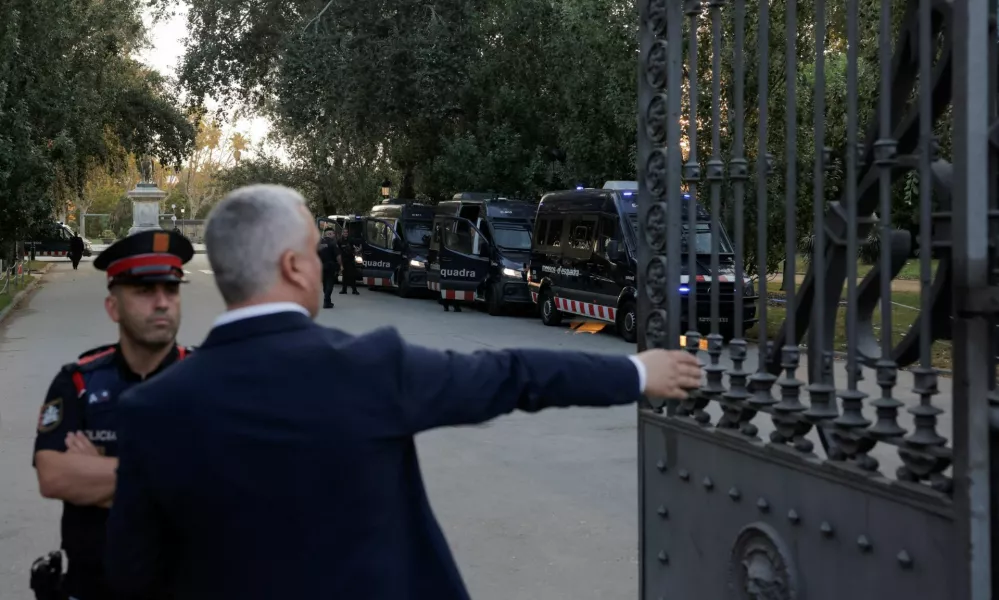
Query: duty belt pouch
x=46, y=577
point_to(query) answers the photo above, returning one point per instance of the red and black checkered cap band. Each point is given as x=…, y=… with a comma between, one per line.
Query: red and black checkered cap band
x=146, y=265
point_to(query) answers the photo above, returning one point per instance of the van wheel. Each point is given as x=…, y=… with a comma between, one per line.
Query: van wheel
x=494, y=300
x=550, y=315
x=627, y=322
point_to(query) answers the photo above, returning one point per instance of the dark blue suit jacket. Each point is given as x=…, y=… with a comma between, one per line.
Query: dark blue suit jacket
x=278, y=460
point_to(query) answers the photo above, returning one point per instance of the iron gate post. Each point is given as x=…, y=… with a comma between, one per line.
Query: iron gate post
x=974, y=370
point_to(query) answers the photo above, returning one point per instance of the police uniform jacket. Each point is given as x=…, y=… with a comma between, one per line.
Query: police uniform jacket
x=84, y=396
x=328, y=253
x=284, y=487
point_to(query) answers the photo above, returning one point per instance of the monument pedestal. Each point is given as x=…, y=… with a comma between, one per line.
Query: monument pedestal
x=145, y=199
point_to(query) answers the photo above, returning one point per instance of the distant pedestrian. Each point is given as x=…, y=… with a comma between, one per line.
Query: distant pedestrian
x=76, y=249
x=243, y=474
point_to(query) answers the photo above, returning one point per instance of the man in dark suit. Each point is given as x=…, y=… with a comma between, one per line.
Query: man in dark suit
x=278, y=487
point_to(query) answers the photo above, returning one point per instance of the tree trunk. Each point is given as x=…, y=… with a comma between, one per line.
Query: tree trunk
x=407, y=190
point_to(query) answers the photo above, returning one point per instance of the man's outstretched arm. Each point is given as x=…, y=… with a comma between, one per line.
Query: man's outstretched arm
x=433, y=388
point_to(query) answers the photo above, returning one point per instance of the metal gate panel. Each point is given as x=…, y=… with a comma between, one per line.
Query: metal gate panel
x=801, y=469
x=722, y=516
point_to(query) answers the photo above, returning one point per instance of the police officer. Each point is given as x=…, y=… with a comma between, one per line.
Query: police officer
x=347, y=255
x=329, y=255
x=76, y=443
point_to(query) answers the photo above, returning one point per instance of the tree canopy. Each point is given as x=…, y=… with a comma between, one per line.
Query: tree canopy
x=517, y=96
x=73, y=98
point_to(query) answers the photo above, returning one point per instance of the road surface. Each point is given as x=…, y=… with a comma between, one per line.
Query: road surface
x=540, y=506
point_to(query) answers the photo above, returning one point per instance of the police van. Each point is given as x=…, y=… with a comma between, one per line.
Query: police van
x=51, y=238
x=480, y=250
x=395, y=239
x=585, y=257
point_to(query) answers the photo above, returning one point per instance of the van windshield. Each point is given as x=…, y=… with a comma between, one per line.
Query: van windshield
x=703, y=240
x=512, y=235
x=418, y=232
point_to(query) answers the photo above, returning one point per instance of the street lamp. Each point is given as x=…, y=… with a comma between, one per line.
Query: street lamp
x=182, y=228
x=386, y=188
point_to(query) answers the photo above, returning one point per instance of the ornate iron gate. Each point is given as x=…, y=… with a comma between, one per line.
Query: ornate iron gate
x=871, y=479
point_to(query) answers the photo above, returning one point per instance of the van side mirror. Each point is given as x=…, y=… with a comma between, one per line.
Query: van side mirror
x=397, y=244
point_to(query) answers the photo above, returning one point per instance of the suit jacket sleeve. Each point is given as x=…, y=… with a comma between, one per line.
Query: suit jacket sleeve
x=135, y=532
x=434, y=388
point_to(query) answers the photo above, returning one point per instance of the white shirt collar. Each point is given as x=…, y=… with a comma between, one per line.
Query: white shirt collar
x=258, y=310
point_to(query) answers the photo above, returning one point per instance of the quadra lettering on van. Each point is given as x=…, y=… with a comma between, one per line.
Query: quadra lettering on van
x=377, y=264
x=464, y=273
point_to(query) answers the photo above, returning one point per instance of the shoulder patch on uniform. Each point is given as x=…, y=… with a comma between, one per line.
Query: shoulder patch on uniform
x=97, y=358
x=51, y=415
x=97, y=350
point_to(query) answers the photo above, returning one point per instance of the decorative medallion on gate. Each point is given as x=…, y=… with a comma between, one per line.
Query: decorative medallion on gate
x=762, y=566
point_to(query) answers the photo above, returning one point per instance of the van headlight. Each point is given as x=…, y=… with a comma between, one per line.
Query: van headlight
x=358, y=260
x=512, y=273
x=750, y=288
x=417, y=264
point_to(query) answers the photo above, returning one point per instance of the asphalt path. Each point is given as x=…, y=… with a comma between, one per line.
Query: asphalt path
x=534, y=506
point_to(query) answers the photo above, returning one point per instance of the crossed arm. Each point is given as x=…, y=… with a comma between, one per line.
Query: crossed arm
x=68, y=466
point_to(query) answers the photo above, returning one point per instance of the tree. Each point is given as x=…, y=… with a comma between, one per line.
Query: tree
x=214, y=151
x=70, y=98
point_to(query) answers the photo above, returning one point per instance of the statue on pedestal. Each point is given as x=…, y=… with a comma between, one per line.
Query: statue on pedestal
x=146, y=169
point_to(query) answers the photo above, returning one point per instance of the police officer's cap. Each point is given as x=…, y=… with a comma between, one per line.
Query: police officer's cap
x=155, y=256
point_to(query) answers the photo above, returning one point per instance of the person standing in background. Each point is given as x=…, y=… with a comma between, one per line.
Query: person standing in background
x=348, y=256
x=329, y=255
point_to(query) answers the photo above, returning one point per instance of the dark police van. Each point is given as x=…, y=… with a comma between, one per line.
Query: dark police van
x=395, y=239
x=480, y=250
x=584, y=261
x=51, y=238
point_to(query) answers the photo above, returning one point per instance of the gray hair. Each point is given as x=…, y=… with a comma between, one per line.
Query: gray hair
x=246, y=234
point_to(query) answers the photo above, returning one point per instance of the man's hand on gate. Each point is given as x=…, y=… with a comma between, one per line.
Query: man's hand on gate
x=77, y=443
x=670, y=373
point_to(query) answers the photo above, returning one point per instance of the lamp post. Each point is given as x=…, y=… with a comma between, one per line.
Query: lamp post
x=386, y=189
x=182, y=228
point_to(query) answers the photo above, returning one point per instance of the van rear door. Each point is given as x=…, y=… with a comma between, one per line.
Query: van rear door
x=463, y=259
x=381, y=251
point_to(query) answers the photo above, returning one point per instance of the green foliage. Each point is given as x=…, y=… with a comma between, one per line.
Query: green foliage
x=71, y=98
x=526, y=96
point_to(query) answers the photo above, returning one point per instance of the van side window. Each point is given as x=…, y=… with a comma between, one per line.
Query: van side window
x=554, y=236
x=459, y=239
x=608, y=231
x=379, y=235
x=582, y=234
x=435, y=235
x=540, y=231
